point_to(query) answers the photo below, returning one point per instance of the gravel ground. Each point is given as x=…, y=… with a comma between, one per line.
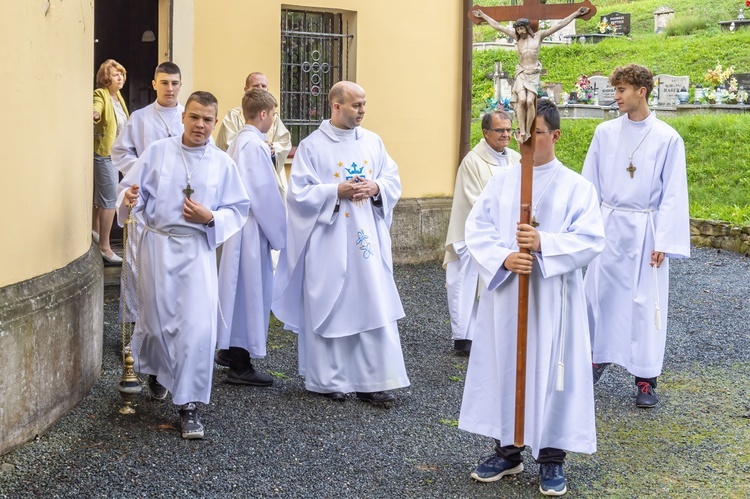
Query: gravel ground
x=282, y=442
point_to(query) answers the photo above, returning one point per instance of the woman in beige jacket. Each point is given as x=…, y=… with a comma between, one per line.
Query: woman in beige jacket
x=110, y=115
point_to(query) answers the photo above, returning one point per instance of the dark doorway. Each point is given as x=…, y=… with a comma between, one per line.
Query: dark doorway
x=126, y=30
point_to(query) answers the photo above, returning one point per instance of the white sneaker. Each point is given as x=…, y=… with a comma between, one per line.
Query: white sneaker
x=95, y=236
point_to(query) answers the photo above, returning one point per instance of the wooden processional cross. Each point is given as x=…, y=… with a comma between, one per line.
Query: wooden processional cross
x=534, y=10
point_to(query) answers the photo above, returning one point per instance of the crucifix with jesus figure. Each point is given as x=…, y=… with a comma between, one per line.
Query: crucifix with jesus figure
x=524, y=95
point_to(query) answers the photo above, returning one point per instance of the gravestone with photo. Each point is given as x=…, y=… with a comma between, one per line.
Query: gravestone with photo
x=620, y=20
x=605, y=93
x=668, y=88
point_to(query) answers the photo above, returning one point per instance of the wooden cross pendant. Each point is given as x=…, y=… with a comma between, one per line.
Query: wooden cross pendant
x=189, y=190
x=631, y=169
x=534, y=223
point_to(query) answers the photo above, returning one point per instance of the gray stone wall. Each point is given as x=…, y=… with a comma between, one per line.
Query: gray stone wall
x=50, y=347
x=419, y=228
x=420, y=225
x=720, y=235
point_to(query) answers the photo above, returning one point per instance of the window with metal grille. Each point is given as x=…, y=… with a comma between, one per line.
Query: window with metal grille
x=314, y=56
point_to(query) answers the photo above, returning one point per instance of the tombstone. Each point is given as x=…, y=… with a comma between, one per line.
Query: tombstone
x=554, y=91
x=668, y=87
x=501, y=84
x=565, y=34
x=662, y=16
x=620, y=20
x=605, y=93
x=743, y=79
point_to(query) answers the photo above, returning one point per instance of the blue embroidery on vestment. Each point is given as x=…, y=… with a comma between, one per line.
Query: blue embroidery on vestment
x=354, y=171
x=363, y=243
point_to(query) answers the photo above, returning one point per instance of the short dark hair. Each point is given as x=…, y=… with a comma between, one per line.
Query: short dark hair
x=633, y=74
x=548, y=110
x=256, y=100
x=169, y=68
x=205, y=99
x=487, y=118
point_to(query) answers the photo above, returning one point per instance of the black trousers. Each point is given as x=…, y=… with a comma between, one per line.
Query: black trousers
x=513, y=454
x=239, y=359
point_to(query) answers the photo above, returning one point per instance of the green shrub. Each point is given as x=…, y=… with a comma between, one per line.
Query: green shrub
x=680, y=26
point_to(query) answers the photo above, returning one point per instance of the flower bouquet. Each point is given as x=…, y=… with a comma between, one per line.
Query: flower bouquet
x=584, y=90
x=718, y=75
x=605, y=28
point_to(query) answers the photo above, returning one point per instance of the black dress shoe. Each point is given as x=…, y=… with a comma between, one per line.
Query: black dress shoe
x=222, y=358
x=249, y=377
x=646, y=397
x=337, y=396
x=377, y=398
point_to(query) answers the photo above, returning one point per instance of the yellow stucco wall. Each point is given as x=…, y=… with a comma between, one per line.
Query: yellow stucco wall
x=407, y=57
x=408, y=60
x=46, y=53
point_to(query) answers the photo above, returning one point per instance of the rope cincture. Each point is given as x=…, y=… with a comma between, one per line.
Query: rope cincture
x=654, y=271
x=130, y=230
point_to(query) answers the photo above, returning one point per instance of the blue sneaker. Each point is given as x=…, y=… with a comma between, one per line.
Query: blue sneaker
x=495, y=468
x=552, y=480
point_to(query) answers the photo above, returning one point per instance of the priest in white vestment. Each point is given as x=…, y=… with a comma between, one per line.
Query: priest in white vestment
x=191, y=198
x=277, y=137
x=157, y=121
x=490, y=156
x=246, y=270
x=637, y=164
x=559, y=413
x=334, y=284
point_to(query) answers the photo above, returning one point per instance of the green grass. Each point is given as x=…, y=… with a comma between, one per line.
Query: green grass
x=690, y=55
x=718, y=160
x=680, y=26
x=664, y=446
x=716, y=145
x=449, y=422
x=642, y=12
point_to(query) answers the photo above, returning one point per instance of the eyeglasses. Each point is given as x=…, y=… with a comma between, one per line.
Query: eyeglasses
x=502, y=130
x=540, y=132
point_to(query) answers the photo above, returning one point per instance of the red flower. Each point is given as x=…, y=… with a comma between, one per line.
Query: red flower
x=747, y=3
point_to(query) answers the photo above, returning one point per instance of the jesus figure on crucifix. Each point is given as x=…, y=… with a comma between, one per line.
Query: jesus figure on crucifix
x=529, y=68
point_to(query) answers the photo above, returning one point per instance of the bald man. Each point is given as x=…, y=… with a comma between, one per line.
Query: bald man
x=334, y=284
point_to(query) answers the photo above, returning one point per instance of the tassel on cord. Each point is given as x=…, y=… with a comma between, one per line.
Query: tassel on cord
x=560, y=385
x=657, y=308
